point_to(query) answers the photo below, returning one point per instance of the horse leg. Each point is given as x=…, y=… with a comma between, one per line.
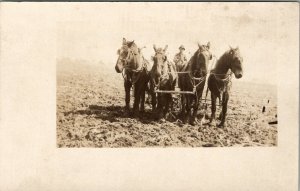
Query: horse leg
x=183, y=105
x=221, y=100
x=160, y=101
x=154, y=101
x=195, y=109
x=224, y=108
x=220, y=116
x=168, y=103
x=188, y=109
x=213, y=109
x=148, y=91
x=142, y=108
x=144, y=89
x=198, y=100
x=153, y=97
x=164, y=102
x=136, y=102
x=142, y=94
x=184, y=101
x=127, y=86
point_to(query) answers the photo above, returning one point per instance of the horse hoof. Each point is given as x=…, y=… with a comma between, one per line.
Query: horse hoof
x=160, y=115
x=162, y=120
x=142, y=112
x=127, y=112
x=193, y=123
x=221, y=125
x=136, y=114
x=212, y=123
x=154, y=117
x=185, y=120
x=148, y=101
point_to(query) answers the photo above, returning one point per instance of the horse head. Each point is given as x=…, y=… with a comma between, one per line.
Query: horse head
x=159, y=58
x=160, y=55
x=235, y=61
x=201, y=59
x=129, y=56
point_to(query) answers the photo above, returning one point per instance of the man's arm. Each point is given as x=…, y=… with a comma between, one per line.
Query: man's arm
x=184, y=58
x=176, y=58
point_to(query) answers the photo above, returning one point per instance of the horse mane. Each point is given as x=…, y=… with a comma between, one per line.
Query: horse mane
x=223, y=59
x=188, y=66
x=191, y=61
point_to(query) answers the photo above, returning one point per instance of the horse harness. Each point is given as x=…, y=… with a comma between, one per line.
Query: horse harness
x=223, y=84
x=136, y=73
x=164, y=75
x=194, y=79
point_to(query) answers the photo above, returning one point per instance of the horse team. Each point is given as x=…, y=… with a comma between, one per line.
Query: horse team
x=190, y=77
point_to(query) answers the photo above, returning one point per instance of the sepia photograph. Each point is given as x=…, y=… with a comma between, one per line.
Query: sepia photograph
x=142, y=96
x=168, y=75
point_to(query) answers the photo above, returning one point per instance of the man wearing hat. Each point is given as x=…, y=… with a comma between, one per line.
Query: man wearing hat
x=180, y=58
x=180, y=61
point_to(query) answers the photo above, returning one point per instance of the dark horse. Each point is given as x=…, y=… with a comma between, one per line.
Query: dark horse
x=219, y=81
x=193, y=78
x=162, y=77
x=133, y=67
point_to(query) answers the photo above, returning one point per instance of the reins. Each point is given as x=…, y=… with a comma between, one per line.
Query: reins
x=193, y=82
x=226, y=80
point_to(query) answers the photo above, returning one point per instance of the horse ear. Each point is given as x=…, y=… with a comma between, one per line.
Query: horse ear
x=124, y=40
x=154, y=47
x=166, y=47
x=232, y=50
x=199, y=45
x=130, y=43
x=208, y=45
x=237, y=48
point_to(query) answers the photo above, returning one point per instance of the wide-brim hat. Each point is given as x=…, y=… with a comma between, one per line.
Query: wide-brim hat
x=181, y=47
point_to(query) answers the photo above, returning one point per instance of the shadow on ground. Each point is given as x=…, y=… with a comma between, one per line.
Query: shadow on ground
x=112, y=113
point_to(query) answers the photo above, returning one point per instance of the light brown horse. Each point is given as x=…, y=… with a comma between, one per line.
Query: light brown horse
x=194, y=80
x=162, y=77
x=133, y=67
x=219, y=81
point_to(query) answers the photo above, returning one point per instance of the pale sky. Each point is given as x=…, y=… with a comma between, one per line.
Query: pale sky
x=263, y=31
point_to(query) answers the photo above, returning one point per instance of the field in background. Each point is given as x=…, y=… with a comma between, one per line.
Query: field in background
x=90, y=101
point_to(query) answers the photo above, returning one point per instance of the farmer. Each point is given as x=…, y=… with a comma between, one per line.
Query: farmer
x=180, y=61
x=180, y=58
